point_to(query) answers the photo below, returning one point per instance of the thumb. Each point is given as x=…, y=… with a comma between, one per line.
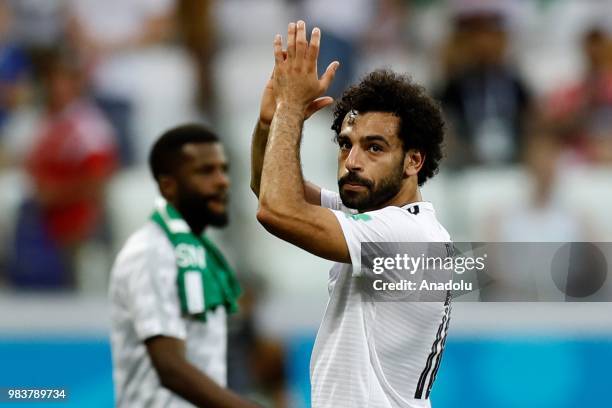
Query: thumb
x=318, y=104
x=329, y=75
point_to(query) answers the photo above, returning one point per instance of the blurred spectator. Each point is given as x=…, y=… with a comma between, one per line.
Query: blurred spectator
x=543, y=218
x=386, y=27
x=582, y=112
x=197, y=29
x=14, y=70
x=70, y=164
x=392, y=39
x=107, y=35
x=484, y=97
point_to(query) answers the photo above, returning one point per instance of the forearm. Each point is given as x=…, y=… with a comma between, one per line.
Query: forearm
x=188, y=382
x=259, y=140
x=282, y=184
x=258, y=150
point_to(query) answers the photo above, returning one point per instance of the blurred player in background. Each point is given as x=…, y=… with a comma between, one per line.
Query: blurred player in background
x=389, y=133
x=171, y=288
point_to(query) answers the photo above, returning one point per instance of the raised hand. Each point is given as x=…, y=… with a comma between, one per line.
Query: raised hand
x=268, y=104
x=295, y=81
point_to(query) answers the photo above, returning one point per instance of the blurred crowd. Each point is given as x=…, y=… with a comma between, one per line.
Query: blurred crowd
x=82, y=95
x=68, y=113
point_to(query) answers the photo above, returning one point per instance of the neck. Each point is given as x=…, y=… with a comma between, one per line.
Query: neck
x=196, y=226
x=403, y=199
x=409, y=193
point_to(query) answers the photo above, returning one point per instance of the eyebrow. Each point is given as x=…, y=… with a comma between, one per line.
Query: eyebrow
x=372, y=138
x=225, y=165
x=341, y=136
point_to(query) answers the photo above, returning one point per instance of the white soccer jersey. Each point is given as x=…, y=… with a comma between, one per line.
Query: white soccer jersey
x=377, y=354
x=145, y=303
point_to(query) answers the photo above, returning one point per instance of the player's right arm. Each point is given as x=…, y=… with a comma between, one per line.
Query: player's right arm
x=182, y=378
x=260, y=139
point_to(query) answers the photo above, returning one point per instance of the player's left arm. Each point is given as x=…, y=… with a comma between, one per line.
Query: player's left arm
x=283, y=208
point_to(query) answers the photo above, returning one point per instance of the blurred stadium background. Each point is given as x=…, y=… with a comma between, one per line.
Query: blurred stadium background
x=87, y=85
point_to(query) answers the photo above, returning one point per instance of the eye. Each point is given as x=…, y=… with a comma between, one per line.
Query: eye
x=375, y=148
x=344, y=145
x=206, y=170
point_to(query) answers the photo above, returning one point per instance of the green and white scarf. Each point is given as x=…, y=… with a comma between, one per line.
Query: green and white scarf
x=205, y=279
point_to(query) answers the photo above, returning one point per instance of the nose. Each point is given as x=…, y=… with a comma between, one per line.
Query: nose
x=353, y=161
x=222, y=179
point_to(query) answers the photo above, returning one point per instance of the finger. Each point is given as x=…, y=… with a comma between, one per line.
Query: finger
x=318, y=104
x=328, y=75
x=278, y=50
x=291, y=42
x=270, y=83
x=313, y=49
x=284, y=58
x=301, y=43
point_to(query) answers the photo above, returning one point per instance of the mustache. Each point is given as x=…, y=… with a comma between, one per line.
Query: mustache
x=224, y=197
x=201, y=199
x=353, y=178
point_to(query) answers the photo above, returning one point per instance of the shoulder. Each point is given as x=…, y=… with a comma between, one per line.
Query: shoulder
x=147, y=245
x=416, y=222
x=386, y=225
x=147, y=238
x=393, y=214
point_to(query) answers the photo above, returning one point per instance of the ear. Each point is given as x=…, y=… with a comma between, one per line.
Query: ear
x=413, y=161
x=168, y=187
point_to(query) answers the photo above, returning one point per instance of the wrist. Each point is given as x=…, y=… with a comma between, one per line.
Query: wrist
x=291, y=108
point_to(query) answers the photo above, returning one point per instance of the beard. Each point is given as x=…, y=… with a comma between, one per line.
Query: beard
x=375, y=195
x=194, y=207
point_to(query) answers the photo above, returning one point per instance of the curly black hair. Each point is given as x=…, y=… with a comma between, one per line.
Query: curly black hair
x=421, y=123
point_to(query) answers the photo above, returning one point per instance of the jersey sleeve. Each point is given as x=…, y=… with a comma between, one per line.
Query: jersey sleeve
x=332, y=200
x=389, y=224
x=152, y=293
